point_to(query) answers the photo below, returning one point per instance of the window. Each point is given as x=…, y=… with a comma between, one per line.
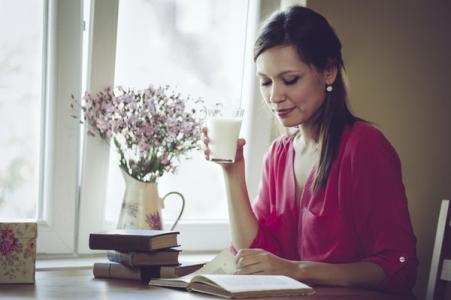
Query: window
x=198, y=47
x=35, y=131
x=51, y=171
x=39, y=70
x=20, y=107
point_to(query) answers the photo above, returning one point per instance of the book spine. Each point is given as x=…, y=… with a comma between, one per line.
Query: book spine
x=122, y=258
x=113, y=270
x=119, y=271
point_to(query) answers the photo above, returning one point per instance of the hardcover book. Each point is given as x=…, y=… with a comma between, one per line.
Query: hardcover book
x=133, y=240
x=138, y=259
x=144, y=274
x=217, y=278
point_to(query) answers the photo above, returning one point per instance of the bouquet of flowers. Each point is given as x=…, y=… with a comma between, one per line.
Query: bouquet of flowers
x=151, y=128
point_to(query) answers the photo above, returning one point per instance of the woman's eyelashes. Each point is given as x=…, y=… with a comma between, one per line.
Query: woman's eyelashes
x=286, y=81
x=290, y=81
x=265, y=82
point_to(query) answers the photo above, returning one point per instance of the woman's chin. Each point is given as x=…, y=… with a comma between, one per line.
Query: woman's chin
x=287, y=122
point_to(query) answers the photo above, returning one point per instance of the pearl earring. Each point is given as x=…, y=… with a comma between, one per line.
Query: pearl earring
x=329, y=88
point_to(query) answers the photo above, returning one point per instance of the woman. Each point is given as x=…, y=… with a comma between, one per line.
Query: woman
x=331, y=207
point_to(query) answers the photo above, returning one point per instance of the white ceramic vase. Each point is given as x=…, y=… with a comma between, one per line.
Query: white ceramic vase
x=142, y=205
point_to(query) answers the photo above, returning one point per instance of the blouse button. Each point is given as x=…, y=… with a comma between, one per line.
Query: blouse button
x=402, y=259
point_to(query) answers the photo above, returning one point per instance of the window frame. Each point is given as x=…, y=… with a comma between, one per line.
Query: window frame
x=215, y=234
x=74, y=184
x=57, y=204
x=100, y=73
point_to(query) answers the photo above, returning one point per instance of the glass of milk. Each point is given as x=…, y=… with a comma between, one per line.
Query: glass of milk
x=223, y=125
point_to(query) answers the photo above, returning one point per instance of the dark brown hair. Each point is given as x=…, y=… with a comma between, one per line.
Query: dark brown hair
x=317, y=45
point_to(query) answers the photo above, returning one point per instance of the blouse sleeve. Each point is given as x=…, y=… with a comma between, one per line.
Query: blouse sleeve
x=266, y=237
x=381, y=213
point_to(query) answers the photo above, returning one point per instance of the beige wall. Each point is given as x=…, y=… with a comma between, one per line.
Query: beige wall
x=397, y=55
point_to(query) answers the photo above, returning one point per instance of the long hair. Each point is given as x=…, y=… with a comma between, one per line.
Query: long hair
x=317, y=44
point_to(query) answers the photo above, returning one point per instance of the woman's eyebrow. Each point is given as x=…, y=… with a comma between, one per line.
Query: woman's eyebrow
x=288, y=71
x=280, y=74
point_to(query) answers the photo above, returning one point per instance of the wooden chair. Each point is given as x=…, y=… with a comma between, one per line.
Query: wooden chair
x=440, y=273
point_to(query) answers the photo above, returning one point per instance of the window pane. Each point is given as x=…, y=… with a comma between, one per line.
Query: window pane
x=197, y=47
x=21, y=27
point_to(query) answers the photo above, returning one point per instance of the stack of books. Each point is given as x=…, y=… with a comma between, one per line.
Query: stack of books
x=140, y=255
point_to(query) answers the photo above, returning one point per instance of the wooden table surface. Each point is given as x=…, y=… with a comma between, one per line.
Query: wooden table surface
x=80, y=284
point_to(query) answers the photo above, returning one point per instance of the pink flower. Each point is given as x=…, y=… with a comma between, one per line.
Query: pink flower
x=131, y=120
x=143, y=147
x=165, y=161
x=109, y=108
x=8, y=241
x=151, y=125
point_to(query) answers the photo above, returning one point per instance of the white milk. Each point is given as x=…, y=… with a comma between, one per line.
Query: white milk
x=223, y=134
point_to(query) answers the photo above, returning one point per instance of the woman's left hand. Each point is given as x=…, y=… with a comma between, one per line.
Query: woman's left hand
x=258, y=261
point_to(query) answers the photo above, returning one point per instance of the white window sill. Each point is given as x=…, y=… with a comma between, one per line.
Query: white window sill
x=86, y=262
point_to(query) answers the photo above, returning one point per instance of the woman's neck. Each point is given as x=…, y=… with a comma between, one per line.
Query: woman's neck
x=309, y=134
x=307, y=139
x=310, y=130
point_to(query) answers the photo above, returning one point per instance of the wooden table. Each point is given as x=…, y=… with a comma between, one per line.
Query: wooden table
x=80, y=284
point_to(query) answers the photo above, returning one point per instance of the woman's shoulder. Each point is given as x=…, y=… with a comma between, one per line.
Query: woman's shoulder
x=362, y=129
x=364, y=137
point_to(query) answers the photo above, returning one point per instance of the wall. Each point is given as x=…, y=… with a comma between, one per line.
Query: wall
x=397, y=56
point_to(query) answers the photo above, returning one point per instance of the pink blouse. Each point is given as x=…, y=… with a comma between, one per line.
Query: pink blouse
x=360, y=215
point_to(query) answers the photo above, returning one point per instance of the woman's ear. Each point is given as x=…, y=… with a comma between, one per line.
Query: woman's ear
x=330, y=73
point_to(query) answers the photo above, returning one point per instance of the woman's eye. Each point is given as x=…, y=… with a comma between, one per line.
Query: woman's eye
x=291, y=81
x=265, y=83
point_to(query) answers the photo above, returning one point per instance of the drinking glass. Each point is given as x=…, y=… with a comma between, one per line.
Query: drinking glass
x=224, y=124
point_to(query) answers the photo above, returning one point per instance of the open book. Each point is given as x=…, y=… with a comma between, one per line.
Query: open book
x=217, y=278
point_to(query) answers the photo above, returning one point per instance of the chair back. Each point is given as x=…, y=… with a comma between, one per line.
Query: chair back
x=440, y=272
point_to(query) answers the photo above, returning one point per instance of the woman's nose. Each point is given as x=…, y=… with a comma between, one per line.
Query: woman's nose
x=277, y=94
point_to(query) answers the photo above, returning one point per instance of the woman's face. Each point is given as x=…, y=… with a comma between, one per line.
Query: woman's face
x=294, y=90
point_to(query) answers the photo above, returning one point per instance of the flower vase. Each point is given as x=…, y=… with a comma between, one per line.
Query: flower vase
x=142, y=205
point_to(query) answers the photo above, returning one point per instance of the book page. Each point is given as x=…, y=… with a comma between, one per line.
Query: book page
x=223, y=263
x=250, y=283
x=180, y=282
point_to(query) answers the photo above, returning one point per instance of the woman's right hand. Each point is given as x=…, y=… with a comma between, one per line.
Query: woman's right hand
x=239, y=157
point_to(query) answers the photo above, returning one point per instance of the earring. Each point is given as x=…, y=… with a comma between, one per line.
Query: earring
x=329, y=88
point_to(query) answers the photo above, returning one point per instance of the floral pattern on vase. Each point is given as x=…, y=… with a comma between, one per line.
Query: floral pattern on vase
x=141, y=206
x=132, y=209
x=154, y=221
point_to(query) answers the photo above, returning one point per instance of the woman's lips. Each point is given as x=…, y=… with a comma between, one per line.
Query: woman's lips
x=284, y=112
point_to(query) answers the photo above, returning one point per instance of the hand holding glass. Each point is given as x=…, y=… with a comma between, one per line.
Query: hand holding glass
x=223, y=131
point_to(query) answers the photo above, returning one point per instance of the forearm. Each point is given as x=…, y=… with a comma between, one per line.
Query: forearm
x=359, y=274
x=243, y=223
